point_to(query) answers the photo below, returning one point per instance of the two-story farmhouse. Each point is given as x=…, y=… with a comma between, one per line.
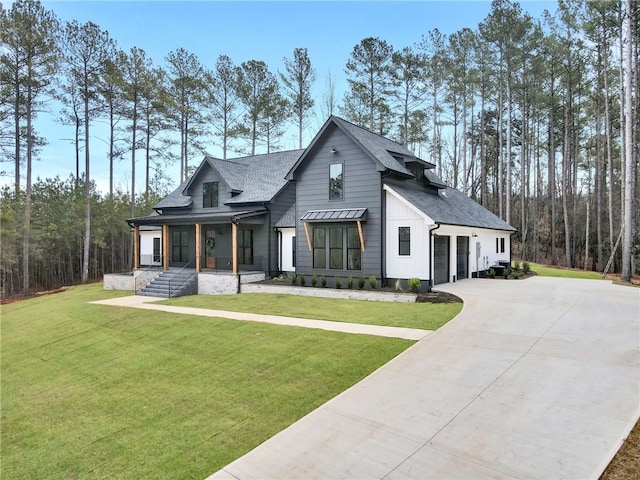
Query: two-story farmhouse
x=352, y=203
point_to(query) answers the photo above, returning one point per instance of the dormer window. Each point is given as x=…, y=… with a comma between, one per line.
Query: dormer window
x=336, y=181
x=210, y=195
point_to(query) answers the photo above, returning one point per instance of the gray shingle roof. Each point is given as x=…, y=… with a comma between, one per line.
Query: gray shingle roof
x=452, y=207
x=378, y=146
x=259, y=178
x=176, y=198
x=288, y=219
x=231, y=171
x=265, y=176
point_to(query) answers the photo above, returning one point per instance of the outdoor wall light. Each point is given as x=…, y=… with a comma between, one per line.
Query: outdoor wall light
x=333, y=150
x=474, y=234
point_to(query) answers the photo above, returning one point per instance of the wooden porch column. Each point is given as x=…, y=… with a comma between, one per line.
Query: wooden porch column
x=165, y=247
x=306, y=233
x=136, y=247
x=361, y=235
x=198, y=247
x=234, y=248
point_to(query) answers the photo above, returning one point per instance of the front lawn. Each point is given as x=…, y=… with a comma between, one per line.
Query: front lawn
x=92, y=391
x=427, y=316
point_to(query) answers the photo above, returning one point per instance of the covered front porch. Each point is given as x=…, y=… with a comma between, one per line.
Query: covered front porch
x=210, y=243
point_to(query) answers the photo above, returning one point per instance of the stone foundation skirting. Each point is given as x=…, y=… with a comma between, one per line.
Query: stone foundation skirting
x=129, y=281
x=369, y=295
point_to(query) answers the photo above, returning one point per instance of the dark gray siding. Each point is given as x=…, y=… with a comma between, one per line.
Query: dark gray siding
x=207, y=175
x=362, y=188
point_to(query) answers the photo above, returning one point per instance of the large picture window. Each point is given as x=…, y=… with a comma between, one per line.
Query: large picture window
x=245, y=247
x=319, y=248
x=336, y=247
x=336, y=181
x=210, y=195
x=404, y=240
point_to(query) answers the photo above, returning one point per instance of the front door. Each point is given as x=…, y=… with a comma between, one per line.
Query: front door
x=210, y=248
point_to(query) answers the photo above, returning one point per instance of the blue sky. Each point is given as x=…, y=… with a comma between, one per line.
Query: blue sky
x=245, y=30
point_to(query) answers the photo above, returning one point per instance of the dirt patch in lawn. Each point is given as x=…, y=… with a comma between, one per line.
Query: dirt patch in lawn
x=17, y=298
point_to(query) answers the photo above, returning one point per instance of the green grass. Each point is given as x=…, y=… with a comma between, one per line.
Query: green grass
x=92, y=391
x=428, y=316
x=550, y=271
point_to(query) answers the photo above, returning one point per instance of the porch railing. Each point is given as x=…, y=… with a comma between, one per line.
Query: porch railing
x=142, y=279
x=176, y=284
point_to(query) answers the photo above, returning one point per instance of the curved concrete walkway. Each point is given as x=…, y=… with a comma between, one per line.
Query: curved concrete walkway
x=534, y=379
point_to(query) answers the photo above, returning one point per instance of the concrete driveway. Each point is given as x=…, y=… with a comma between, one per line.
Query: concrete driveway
x=536, y=378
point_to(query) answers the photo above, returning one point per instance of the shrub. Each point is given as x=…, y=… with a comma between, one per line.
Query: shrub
x=516, y=266
x=526, y=268
x=361, y=282
x=414, y=284
x=350, y=282
x=517, y=275
x=323, y=280
x=314, y=280
x=293, y=278
x=373, y=281
x=492, y=273
x=338, y=282
x=302, y=280
x=507, y=271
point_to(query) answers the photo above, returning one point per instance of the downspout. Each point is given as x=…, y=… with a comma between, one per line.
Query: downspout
x=279, y=233
x=431, y=259
x=268, y=241
x=383, y=229
x=511, y=246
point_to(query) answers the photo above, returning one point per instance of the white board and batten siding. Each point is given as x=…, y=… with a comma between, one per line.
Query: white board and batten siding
x=400, y=213
x=484, y=245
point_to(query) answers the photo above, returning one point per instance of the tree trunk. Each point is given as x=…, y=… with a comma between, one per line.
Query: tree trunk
x=87, y=193
x=627, y=239
x=27, y=197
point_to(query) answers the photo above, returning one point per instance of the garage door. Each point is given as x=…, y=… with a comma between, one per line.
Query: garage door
x=440, y=260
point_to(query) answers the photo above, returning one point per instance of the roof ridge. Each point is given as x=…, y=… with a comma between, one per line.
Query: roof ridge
x=370, y=132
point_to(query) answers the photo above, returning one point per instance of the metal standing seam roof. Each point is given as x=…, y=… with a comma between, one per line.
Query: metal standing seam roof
x=341, y=215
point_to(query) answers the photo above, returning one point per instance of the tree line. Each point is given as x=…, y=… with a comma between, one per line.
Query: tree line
x=536, y=119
